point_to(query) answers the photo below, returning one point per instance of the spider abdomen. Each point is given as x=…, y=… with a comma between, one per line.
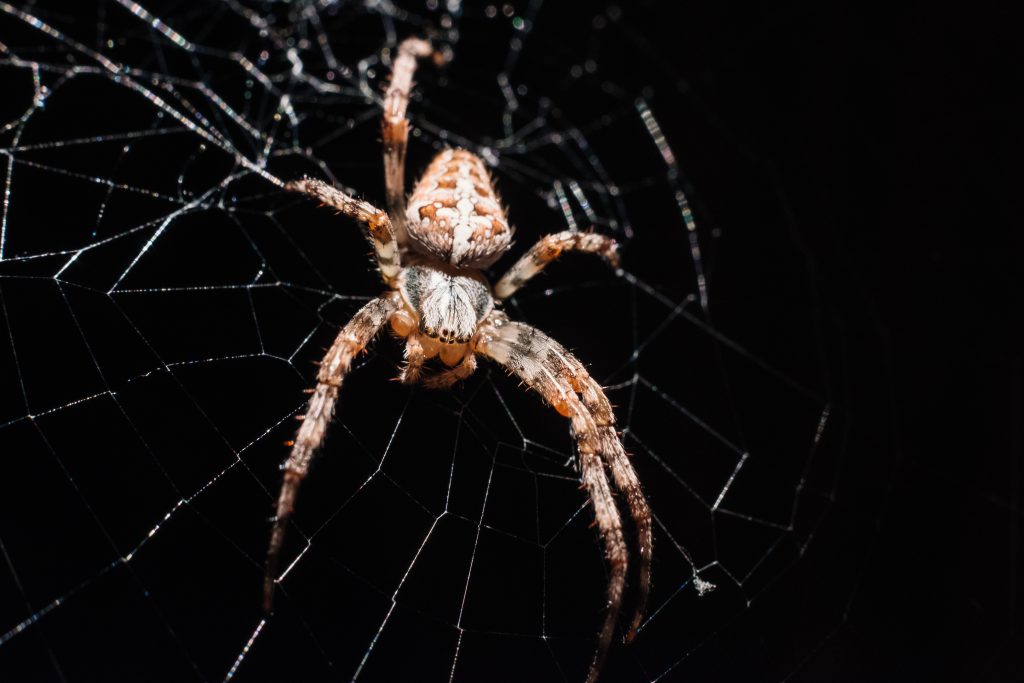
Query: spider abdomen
x=454, y=213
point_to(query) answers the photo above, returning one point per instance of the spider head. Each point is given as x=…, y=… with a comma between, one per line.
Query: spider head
x=448, y=305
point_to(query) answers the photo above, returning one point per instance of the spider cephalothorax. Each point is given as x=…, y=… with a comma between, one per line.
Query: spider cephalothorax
x=430, y=253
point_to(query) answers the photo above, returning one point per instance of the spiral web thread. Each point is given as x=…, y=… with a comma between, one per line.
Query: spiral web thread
x=214, y=107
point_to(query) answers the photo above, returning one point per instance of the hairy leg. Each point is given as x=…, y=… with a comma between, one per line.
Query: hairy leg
x=352, y=339
x=395, y=126
x=577, y=379
x=627, y=482
x=553, y=372
x=377, y=223
x=549, y=248
x=606, y=515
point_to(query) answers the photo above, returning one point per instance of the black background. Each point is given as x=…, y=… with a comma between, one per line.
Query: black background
x=857, y=165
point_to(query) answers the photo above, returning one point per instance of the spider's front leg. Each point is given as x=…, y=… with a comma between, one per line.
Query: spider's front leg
x=352, y=339
x=547, y=367
x=549, y=248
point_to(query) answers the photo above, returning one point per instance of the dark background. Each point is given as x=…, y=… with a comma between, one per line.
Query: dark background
x=850, y=173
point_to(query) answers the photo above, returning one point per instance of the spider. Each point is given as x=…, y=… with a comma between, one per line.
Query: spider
x=431, y=252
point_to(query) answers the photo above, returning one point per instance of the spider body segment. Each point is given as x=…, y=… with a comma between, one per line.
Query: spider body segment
x=431, y=252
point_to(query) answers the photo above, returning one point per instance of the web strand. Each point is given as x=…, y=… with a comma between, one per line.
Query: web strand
x=183, y=296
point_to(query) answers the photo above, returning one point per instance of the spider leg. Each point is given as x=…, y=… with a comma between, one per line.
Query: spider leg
x=623, y=473
x=549, y=248
x=446, y=378
x=547, y=367
x=395, y=126
x=352, y=339
x=609, y=523
x=628, y=483
x=377, y=222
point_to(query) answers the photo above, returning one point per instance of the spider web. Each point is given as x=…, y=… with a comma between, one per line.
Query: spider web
x=162, y=302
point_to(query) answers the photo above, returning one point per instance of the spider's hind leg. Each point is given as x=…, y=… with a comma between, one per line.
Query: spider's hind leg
x=548, y=249
x=376, y=222
x=395, y=125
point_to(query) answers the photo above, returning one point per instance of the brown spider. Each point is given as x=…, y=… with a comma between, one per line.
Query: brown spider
x=430, y=256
